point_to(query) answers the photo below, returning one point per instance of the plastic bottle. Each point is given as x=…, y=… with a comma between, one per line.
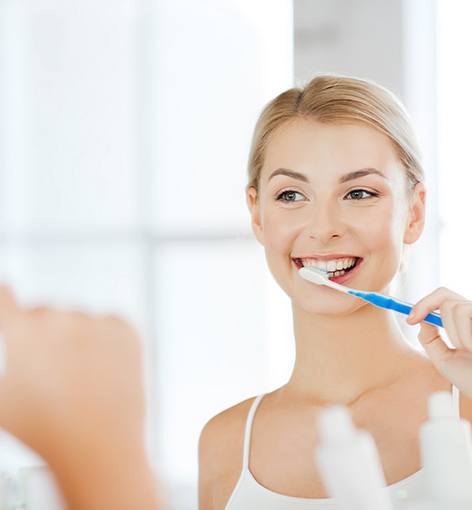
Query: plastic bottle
x=8, y=498
x=349, y=463
x=3, y=492
x=39, y=489
x=446, y=453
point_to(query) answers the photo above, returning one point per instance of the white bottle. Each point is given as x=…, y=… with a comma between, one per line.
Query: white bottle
x=446, y=452
x=3, y=492
x=39, y=489
x=349, y=463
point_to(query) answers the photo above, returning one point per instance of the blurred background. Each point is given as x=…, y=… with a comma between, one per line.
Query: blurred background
x=124, y=134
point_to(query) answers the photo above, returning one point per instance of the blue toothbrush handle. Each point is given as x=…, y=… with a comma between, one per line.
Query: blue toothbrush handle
x=434, y=318
x=403, y=307
x=395, y=304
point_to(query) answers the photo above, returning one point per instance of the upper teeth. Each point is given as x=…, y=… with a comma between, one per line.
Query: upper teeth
x=330, y=265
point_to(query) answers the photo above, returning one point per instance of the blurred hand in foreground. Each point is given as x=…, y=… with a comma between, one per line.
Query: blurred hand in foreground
x=72, y=390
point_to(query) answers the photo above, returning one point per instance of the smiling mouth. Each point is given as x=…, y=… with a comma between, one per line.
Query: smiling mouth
x=330, y=274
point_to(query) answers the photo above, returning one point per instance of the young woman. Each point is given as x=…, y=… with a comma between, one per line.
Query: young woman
x=335, y=178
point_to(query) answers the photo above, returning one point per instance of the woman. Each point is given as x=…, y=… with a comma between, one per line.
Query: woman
x=335, y=177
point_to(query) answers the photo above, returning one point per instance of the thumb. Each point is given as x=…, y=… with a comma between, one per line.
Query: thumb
x=434, y=345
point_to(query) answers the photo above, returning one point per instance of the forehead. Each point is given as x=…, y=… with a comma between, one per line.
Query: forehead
x=310, y=147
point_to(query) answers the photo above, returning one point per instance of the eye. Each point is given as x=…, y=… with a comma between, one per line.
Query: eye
x=360, y=191
x=287, y=194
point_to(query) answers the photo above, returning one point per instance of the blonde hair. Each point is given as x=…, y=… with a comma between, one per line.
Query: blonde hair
x=332, y=99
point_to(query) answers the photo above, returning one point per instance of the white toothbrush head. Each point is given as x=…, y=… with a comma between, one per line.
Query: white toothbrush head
x=318, y=276
x=314, y=275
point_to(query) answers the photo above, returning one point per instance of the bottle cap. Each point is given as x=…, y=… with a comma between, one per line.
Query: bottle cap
x=440, y=405
x=335, y=424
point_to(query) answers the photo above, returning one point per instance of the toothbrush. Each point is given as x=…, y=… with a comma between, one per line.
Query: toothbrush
x=316, y=275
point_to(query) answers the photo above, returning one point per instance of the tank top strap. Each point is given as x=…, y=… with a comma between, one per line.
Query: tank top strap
x=248, y=429
x=456, y=400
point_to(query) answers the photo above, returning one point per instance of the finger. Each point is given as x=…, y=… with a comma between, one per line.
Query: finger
x=448, y=317
x=445, y=300
x=463, y=320
x=434, y=345
x=434, y=300
x=8, y=306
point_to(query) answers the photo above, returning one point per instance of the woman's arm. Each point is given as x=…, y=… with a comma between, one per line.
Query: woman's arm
x=205, y=478
x=72, y=390
x=112, y=478
x=220, y=455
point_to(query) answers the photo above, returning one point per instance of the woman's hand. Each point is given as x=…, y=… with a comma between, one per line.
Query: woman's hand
x=72, y=390
x=68, y=374
x=455, y=364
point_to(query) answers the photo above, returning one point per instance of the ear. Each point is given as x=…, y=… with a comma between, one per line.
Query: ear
x=254, y=208
x=416, y=215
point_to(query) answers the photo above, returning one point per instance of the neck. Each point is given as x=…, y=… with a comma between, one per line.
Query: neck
x=341, y=358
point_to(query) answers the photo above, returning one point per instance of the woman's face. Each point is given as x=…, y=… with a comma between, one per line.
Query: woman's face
x=320, y=212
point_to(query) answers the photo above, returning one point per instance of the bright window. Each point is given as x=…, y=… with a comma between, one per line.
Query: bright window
x=454, y=131
x=124, y=137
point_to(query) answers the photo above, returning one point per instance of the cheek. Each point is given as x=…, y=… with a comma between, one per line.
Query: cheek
x=383, y=237
x=279, y=233
x=279, y=238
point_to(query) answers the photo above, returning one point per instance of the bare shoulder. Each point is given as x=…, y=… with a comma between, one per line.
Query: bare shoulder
x=226, y=429
x=220, y=454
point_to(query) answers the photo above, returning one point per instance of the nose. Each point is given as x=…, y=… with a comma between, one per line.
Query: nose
x=325, y=222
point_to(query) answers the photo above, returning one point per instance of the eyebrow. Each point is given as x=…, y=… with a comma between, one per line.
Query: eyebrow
x=356, y=174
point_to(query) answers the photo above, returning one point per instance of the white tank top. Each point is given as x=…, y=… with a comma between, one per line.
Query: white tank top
x=249, y=494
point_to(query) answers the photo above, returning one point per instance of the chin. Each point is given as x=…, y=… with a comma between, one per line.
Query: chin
x=332, y=304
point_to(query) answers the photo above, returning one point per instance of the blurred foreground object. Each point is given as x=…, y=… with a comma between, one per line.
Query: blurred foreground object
x=72, y=390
